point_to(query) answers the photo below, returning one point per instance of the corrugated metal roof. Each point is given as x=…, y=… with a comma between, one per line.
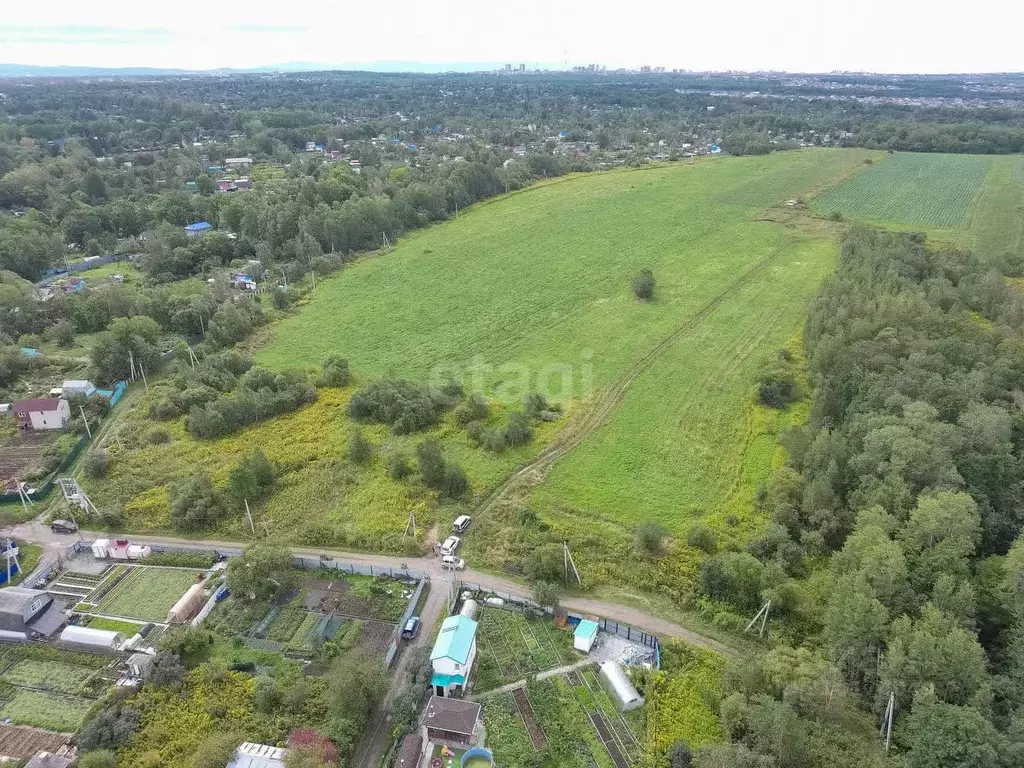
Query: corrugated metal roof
x=39, y=404
x=455, y=640
x=250, y=755
x=199, y=226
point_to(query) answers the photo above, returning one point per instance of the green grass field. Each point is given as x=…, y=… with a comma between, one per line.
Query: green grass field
x=148, y=593
x=516, y=290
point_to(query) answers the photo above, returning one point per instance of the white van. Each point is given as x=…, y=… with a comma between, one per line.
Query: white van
x=461, y=523
x=450, y=545
x=453, y=563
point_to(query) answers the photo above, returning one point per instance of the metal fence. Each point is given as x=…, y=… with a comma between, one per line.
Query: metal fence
x=310, y=562
x=410, y=609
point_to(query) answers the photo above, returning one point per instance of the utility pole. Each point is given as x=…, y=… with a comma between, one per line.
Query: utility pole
x=410, y=526
x=762, y=614
x=887, y=718
x=248, y=516
x=131, y=364
x=87, y=429
x=25, y=500
x=142, y=370
x=568, y=562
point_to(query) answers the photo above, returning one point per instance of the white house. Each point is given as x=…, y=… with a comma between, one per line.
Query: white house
x=42, y=413
x=453, y=655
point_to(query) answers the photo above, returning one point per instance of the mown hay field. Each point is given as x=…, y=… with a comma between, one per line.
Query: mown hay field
x=540, y=280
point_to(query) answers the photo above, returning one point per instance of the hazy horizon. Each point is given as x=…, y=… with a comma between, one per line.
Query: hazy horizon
x=895, y=36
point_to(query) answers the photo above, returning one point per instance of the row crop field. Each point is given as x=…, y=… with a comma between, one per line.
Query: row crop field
x=932, y=191
x=48, y=675
x=147, y=593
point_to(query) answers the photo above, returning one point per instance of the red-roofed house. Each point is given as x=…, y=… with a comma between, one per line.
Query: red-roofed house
x=42, y=413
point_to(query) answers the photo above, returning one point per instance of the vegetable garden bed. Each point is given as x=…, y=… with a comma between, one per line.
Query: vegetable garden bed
x=52, y=676
x=513, y=647
x=46, y=710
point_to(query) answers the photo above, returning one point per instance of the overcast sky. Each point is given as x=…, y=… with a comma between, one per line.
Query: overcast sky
x=872, y=35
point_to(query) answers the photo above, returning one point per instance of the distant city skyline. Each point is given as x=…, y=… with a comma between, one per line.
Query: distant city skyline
x=894, y=36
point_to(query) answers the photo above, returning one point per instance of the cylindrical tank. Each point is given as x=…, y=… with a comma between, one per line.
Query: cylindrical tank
x=497, y=602
x=470, y=609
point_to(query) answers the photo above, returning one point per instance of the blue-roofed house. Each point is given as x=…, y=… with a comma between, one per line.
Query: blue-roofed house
x=585, y=635
x=199, y=228
x=453, y=655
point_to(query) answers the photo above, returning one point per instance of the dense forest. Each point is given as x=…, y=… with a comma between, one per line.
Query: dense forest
x=895, y=545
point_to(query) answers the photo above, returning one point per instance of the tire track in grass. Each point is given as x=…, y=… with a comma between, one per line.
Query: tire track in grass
x=535, y=472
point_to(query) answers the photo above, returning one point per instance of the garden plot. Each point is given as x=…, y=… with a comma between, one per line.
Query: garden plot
x=513, y=647
x=615, y=733
x=42, y=709
x=549, y=714
x=147, y=593
x=361, y=597
x=21, y=742
x=53, y=676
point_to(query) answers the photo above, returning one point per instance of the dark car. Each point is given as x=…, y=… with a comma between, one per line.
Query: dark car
x=411, y=628
x=63, y=526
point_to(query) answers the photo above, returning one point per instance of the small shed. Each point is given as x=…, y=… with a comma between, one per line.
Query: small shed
x=99, y=548
x=85, y=637
x=622, y=691
x=48, y=760
x=585, y=635
x=452, y=720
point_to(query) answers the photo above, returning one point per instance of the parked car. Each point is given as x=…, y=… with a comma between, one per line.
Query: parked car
x=453, y=563
x=63, y=526
x=411, y=628
x=461, y=523
x=450, y=545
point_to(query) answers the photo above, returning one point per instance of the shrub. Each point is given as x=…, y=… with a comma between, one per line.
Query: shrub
x=546, y=593
x=836, y=216
x=182, y=559
x=643, y=285
x=194, y=503
x=259, y=395
x=103, y=758
x=517, y=432
x=650, y=537
x=679, y=755
x=96, y=464
x=360, y=450
x=474, y=409
x=335, y=373
x=158, y=436
x=733, y=577
x=455, y=482
x=431, y=463
x=777, y=389
x=700, y=537
x=534, y=404
x=216, y=750
x=252, y=478
x=62, y=333
x=545, y=563
x=398, y=466
x=401, y=405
